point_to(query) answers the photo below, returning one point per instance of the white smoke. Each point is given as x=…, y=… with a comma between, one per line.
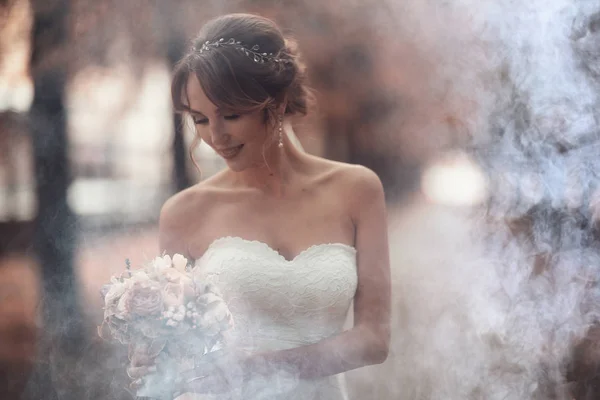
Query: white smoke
x=488, y=302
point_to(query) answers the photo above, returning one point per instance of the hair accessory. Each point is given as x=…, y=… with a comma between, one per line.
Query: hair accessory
x=252, y=52
x=280, y=132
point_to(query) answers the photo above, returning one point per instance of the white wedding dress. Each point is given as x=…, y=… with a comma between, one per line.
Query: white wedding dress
x=280, y=304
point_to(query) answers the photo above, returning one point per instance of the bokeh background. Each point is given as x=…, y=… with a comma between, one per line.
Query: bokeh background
x=481, y=119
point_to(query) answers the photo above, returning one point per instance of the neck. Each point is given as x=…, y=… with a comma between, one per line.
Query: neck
x=275, y=174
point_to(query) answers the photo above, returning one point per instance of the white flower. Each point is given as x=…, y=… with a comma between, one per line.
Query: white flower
x=114, y=292
x=179, y=262
x=178, y=317
x=215, y=318
x=174, y=295
x=114, y=279
x=121, y=310
x=159, y=264
x=173, y=275
x=207, y=299
x=203, y=287
x=137, y=276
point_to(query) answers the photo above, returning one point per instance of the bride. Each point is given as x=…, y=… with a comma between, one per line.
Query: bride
x=291, y=240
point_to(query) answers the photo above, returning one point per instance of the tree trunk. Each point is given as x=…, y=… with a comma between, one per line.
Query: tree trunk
x=55, y=228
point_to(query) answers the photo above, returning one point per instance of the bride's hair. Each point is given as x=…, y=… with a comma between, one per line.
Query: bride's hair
x=244, y=63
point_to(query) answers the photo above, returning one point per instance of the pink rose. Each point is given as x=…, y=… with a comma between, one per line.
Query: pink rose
x=144, y=300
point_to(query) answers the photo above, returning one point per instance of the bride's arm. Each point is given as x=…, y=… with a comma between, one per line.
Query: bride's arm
x=368, y=341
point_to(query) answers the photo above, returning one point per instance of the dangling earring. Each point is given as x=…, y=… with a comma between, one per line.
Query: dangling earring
x=280, y=132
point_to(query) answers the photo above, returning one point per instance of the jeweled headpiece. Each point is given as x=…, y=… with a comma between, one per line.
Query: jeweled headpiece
x=253, y=52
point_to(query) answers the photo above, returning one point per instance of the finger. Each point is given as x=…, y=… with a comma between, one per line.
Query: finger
x=135, y=349
x=138, y=383
x=156, y=347
x=140, y=372
x=141, y=360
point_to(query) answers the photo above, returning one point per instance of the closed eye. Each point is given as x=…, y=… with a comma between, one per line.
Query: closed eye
x=203, y=120
x=200, y=121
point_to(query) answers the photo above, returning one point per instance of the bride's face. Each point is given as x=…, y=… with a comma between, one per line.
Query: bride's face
x=241, y=139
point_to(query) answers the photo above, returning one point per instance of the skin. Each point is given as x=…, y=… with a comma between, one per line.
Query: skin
x=289, y=200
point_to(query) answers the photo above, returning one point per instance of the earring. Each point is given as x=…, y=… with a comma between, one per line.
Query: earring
x=280, y=132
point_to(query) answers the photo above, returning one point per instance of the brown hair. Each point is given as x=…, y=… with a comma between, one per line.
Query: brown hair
x=233, y=80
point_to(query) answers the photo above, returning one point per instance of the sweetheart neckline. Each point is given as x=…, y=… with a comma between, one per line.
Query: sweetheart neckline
x=302, y=253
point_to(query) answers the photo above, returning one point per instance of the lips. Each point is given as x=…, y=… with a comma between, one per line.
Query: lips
x=230, y=152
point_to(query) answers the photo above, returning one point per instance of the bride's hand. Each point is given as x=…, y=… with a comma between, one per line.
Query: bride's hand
x=216, y=373
x=138, y=368
x=142, y=362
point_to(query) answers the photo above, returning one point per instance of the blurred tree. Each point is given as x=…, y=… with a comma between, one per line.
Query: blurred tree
x=55, y=234
x=19, y=294
x=172, y=40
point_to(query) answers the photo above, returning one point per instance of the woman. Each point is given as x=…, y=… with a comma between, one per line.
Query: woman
x=290, y=239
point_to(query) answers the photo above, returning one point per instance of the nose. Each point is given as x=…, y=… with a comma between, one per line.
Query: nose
x=218, y=134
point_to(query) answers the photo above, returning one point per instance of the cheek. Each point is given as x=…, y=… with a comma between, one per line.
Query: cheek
x=203, y=134
x=254, y=131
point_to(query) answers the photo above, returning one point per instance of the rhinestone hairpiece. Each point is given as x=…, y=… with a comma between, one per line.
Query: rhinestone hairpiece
x=253, y=52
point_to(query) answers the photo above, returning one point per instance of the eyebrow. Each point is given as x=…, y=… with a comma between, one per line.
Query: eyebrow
x=192, y=111
x=217, y=110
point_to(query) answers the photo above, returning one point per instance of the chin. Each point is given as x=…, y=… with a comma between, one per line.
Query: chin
x=239, y=164
x=236, y=165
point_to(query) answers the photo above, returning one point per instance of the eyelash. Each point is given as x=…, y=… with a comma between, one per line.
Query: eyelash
x=204, y=121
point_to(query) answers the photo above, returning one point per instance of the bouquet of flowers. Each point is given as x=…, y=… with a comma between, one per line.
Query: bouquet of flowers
x=163, y=312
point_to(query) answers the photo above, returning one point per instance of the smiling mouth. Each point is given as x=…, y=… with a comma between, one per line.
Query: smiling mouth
x=231, y=151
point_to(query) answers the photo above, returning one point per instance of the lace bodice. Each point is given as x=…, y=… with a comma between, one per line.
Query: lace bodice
x=298, y=301
x=278, y=303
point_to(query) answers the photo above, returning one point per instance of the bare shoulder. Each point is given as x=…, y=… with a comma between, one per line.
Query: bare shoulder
x=177, y=206
x=365, y=191
x=200, y=196
x=176, y=213
x=363, y=180
x=354, y=181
